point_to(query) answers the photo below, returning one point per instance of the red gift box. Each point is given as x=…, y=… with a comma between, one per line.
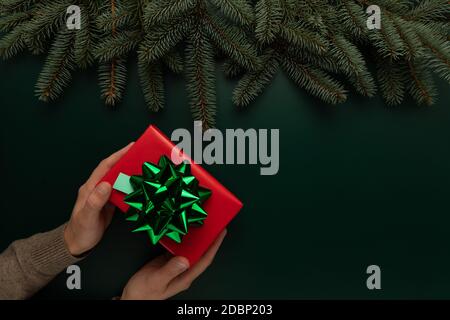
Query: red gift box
x=222, y=206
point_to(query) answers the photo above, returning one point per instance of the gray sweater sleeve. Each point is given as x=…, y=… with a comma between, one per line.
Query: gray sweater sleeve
x=29, y=264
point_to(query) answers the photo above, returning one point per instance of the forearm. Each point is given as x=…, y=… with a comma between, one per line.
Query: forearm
x=29, y=264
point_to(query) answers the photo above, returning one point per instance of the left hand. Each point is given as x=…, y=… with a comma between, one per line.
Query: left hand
x=92, y=214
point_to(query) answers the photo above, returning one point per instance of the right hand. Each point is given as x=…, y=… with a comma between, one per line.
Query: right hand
x=167, y=276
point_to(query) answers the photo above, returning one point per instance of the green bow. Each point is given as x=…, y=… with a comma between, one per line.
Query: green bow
x=164, y=200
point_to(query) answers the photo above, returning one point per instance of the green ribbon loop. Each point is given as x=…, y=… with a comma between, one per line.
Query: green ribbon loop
x=165, y=200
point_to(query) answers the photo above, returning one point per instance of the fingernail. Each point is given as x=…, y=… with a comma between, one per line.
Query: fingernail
x=103, y=188
x=182, y=263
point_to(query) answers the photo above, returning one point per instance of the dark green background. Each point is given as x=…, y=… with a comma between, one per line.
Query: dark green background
x=359, y=184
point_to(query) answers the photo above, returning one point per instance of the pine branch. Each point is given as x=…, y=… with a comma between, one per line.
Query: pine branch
x=291, y=7
x=440, y=28
x=440, y=63
x=314, y=14
x=239, y=11
x=268, y=20
x=122, y=18
x=310, y=40
x=386, y=40
x=352, y=62
x=164, y=11
x=392, y=80
x=118, y=45
x=254, y=82
x=327, y=63
x=112, y=75
x=174, y=61
x=118, y=15
x=57, y=71
x=313, y=80
x=163, y=39
x=232, y=70
x=298, y=35
x=200, y=77
x=12, y=43
x=408, y=36
x=352, y=18
x=84, y=40
x=15, y=6
x=152, y=84
x=232, y=41
x=45, y=24
x=9, y=22
x=422, y=88
x=399, y=6
x=112, y=80
x=439, y=51
x=429, y=10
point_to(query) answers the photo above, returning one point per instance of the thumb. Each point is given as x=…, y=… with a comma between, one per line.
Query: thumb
x=97, y=199
x=173, y=268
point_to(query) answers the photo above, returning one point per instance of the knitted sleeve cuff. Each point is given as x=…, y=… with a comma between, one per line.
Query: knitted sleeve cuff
x=46, y=253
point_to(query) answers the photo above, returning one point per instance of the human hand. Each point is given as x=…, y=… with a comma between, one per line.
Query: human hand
x=167, y=276
x=92, y=214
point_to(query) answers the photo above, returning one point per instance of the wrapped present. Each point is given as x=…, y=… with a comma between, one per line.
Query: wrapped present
x=179, y=205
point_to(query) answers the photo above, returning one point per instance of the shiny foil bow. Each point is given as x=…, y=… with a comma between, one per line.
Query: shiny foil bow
x=164, y=200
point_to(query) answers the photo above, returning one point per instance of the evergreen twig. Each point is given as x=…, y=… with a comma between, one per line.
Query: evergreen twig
x=315, y=42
